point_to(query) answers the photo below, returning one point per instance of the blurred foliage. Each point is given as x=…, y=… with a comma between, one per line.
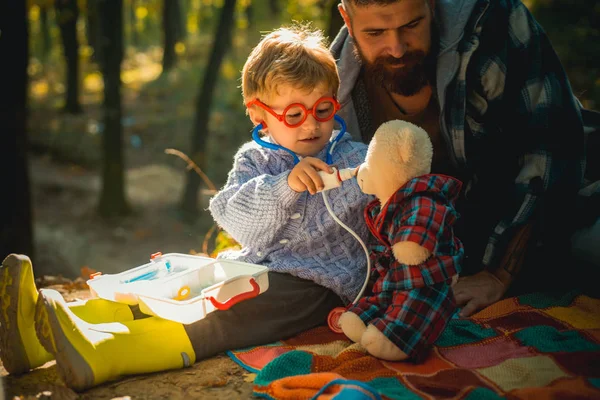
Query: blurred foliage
x=165, y=101
x=573, y=27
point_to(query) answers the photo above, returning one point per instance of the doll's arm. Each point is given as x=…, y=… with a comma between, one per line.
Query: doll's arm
x=413, y=237
x=410, y=253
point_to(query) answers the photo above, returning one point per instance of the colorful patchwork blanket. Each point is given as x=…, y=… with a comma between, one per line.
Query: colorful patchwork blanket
x=536, y=346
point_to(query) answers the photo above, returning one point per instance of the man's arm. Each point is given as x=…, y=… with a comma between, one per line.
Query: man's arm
x=513, y=259
x=532, y=118
x=540, y=123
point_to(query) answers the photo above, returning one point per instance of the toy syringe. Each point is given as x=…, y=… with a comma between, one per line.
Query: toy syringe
x=336, y=178
x=150, y=274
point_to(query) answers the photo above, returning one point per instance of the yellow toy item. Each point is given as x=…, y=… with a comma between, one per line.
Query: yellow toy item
x=90, y=354
x=19, y=348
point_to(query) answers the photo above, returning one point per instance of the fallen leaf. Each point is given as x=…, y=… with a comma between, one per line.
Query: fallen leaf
x=77, y=284
x=220, y=382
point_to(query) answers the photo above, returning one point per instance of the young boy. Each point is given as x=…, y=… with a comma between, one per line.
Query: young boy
x=268, y=205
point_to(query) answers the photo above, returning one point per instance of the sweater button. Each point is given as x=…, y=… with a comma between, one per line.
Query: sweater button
x=283, y=241
x=259, y=253
x=295, y=216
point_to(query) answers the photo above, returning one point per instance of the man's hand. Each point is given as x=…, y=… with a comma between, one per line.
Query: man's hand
x=478, y=291
x=485, y=288
x=305, y=177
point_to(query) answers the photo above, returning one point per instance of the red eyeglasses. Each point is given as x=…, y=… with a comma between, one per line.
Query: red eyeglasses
x=295, y=114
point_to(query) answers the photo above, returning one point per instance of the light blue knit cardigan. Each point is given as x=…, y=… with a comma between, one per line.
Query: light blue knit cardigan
x=293, y=232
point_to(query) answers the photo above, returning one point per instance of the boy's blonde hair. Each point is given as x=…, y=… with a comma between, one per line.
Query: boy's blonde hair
x=297, y=56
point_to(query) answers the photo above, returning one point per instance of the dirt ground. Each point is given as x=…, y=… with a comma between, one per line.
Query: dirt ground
x=69, y=236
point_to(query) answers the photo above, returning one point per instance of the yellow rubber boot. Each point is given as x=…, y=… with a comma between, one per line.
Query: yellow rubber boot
x=19, y=348
x=90, y=354
x=97, y=311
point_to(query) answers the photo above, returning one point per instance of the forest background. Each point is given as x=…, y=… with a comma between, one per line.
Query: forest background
x=108, y=86
x=92, y=94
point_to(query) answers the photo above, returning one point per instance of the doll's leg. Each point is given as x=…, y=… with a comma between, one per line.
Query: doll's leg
x=353, y=321
x=89, y=354
x=371, y=307
x=352, y=326
x=411, y=324
x=374, y=338
x=19, y=348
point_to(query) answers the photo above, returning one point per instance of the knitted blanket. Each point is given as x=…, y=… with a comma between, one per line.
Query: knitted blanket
x=536, y=346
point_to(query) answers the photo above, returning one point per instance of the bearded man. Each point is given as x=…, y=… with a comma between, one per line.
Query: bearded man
x=482, y=78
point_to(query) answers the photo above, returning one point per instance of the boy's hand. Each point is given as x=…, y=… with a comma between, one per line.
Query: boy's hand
x=304, y=176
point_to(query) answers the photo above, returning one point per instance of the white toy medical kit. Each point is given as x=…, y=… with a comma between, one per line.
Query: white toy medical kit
x=181, y=287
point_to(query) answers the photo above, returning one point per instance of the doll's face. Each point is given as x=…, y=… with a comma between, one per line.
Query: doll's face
x=376, y=176
x=398, y=152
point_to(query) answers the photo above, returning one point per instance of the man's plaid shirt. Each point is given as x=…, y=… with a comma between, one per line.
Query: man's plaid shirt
x=421, y=211
x=514, y=121
x=508, y=113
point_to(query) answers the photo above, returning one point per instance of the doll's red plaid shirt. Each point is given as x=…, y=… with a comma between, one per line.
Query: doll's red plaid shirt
x=411, y=305
x=422, y=212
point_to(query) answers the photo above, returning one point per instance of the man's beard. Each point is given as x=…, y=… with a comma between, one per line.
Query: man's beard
x=418, y=71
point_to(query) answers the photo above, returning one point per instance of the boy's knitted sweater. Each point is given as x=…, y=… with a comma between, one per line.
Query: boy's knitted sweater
x=293, y=232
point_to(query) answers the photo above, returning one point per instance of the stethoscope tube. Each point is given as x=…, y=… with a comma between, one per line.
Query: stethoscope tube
x=273, y=146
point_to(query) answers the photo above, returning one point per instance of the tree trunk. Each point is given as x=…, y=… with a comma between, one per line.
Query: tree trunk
x=335, y=22
x=112, y=199
x=16, y=232
x=250, y=14
x=67, y=13
x=181, y=21
x=169, y=20
x=133, y=33
x=45, y=30
x=93, y=29
x=222, y=41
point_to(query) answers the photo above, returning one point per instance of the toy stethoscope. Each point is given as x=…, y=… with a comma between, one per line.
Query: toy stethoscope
x=334, y=315
x=274, y=146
